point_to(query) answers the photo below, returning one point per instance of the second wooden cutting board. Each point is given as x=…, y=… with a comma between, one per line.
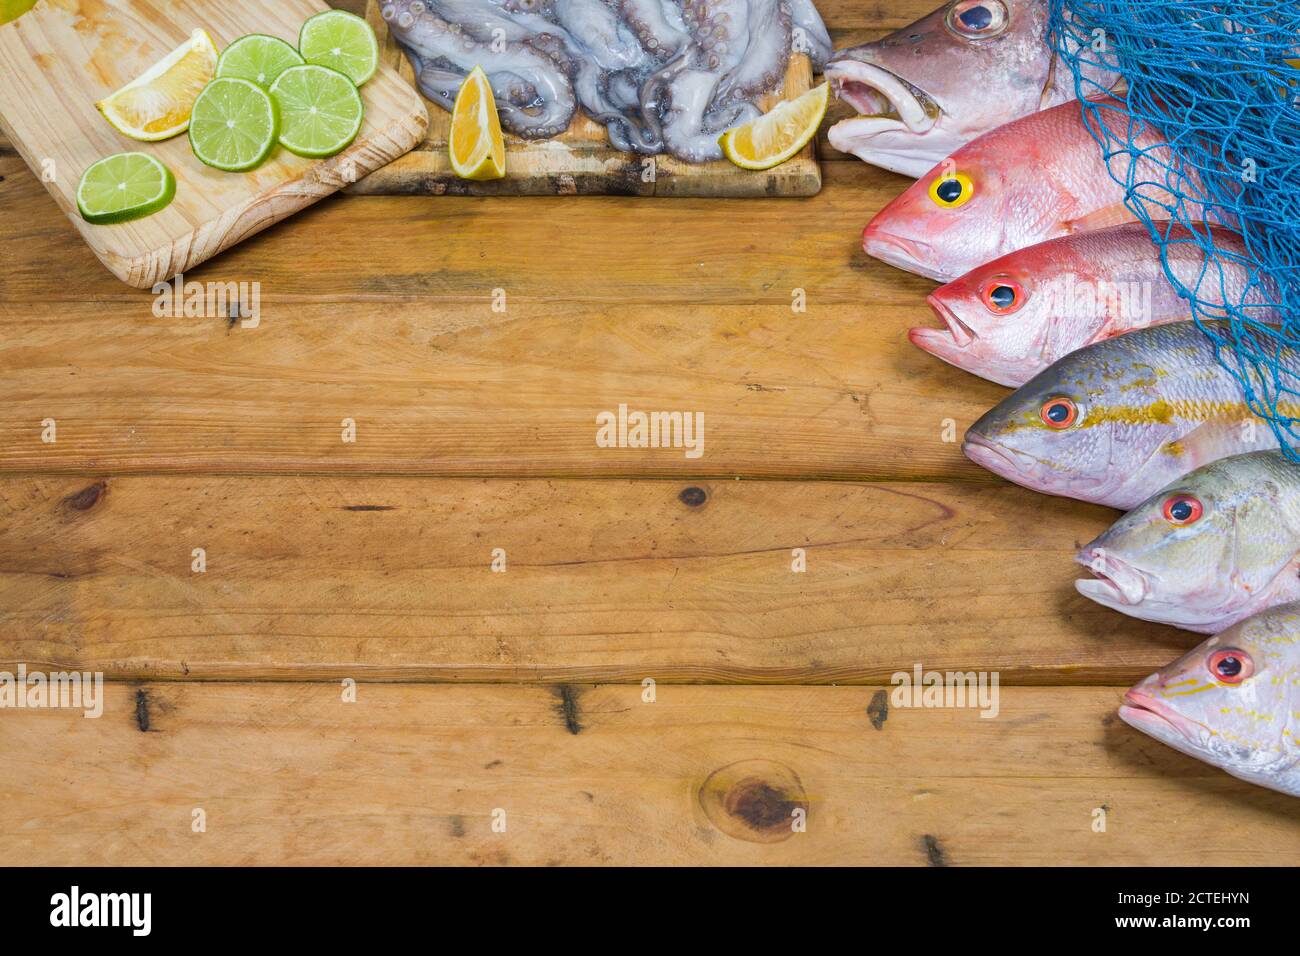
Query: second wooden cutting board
x=581, y=161
x=62, y=56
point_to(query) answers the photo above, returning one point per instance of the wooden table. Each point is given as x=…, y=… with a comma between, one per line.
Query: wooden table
x=648, y=680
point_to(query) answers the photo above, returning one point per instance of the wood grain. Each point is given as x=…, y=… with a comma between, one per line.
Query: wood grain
x=456, y=389
x=64, y=55
x=410, y=774
x=392, y=578
x=580, y=161
x=594, y=249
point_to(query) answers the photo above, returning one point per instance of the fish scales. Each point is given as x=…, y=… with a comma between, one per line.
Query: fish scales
x=1009, y=319
x=1117, y=420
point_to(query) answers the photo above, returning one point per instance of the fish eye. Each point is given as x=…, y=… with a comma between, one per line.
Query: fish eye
x=1183, y=509
x=1230, y=665
x=1059, y=412
x=1003, y=295
x=978, y=19
x=952, y=190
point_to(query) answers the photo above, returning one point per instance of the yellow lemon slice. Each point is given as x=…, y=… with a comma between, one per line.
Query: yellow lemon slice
x=156, y=105
x=477, y=151
x=776, y=136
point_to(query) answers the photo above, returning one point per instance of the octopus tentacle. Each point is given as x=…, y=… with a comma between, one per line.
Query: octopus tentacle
x=810, y=34
x=513, y=68
x=767, y=50
x=653, y=24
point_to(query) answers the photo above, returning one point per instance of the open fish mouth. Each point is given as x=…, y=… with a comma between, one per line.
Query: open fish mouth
x=882, y=96
x=1115, y=582
x=942, y=342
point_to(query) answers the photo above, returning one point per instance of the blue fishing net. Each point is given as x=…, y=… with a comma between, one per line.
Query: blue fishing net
x=1221, y=83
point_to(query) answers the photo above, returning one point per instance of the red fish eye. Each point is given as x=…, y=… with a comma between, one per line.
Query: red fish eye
x=1230, y=665
x=1059, y=413
x=1183, y=509
x=1003, y=296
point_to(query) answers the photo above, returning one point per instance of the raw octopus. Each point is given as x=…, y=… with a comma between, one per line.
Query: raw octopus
x=660, y=75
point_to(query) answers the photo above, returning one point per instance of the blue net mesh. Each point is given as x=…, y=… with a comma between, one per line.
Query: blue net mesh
x=1220, y=82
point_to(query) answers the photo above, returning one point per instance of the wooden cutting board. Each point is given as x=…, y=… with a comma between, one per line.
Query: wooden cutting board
x=61, y=57
x=581, y=160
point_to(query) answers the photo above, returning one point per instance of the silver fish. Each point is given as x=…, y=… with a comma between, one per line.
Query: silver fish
x=1116, y=421
x=1213, y=548
x=1233, y=702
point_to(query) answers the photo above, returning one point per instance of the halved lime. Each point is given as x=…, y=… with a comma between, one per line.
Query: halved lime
x=123, y=187
x=234, y=125
x=320, y=110
x=259, y=58
x=342, y=41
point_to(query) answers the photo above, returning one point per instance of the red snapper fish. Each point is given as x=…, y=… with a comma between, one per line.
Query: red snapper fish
x=1233, y=702
x=933, y=86
x=1010, y=319
x=1036, y=178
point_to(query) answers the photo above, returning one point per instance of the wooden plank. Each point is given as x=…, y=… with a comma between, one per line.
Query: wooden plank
x=392, y=578
x=602, y=249
x=411, y=774
x=580, y=161
x=457, y=389
x=63, y=56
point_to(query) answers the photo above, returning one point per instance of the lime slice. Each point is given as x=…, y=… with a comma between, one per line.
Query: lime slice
x=123, y=187
x=258, y=58
x=342, y=41
x=320, y=110
x=234, y=124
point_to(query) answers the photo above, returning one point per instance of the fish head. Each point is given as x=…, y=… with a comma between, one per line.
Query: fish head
x=927, y=89
x=1080, y=428
x=1011, y=318
x=1201, y=552
x=1231, y=700
x=994, y=323
x=955, y=217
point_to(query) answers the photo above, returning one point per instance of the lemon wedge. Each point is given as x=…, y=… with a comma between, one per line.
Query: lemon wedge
x=776, y=136
x=477, y=151
x=156, y=105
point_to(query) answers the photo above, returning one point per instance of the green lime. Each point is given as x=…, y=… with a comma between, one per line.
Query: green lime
x=123, y=187
x=320, y=110
x=234, y=124
x=342, y=41
x=259, y=58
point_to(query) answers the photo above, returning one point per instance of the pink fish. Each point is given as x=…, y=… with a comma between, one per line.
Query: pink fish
x=935, y=85
x=1010, y=319
x=1036, y=178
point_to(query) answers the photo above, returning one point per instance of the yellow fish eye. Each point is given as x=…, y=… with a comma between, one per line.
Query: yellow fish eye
x=951, y=191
